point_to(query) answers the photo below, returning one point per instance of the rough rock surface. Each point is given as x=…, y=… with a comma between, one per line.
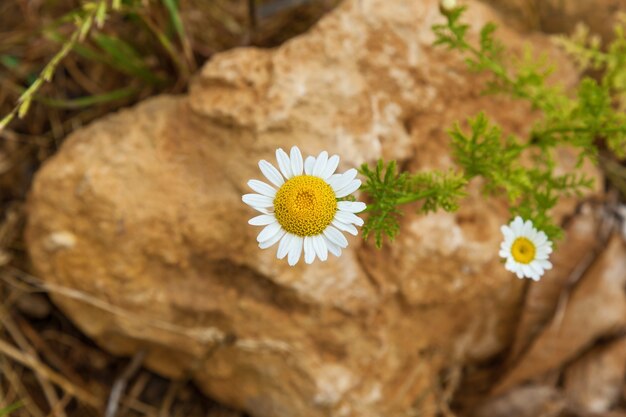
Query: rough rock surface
x=562, y=16
x=140, y=214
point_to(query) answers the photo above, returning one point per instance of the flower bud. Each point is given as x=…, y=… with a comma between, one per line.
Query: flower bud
x=446, y=6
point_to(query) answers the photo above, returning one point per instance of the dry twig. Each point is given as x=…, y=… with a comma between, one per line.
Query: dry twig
x=120, y=383
x=54, y=377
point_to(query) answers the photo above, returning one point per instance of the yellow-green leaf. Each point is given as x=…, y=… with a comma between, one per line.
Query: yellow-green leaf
x=101, y=14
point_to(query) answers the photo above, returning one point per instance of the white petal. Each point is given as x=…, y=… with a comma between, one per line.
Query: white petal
x=284, y=245
x=349, y=218
x=257, y=200
x=534, y=267
x=320, y=164
x=334, y=177
x=507, y=232
x=268, y=232
x=262, y=220
x=309, y=163
x=348, y=189
x=309, y=250
x=510, y=265
x=262, y=188
x=346, y=227
x=332, y=248
x=526, y=270
x=319, y=244
x=271, y=242
x=504, y=253
x=296, y=161
x=295, y=250
x=516, y=225
x=351, y=206
x=545, y=246
x=340, y=181
x=284, y=163
x=335, y=236
x=527, y=228
x=543, y=252
x=542, y=238
x=331, y=166
x=537, y=275
x=506, y=246
x=271, y=173
x=545, y=264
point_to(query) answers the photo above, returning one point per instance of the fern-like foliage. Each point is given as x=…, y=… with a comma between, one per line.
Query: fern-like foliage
x=388, y=189
x=531, y=190
x=522, y=169
x=577, y=119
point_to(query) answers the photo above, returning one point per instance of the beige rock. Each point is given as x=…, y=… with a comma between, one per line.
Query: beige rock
x=217, y=25
x=595, y=381
x=527, y=401
x=139, y=217
x=562, y=16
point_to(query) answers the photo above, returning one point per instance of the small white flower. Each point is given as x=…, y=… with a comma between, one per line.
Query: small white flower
x=526, y=249
x=300, y=210
x=447, y=5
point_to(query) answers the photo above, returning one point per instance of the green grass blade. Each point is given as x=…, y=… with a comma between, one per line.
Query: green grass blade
x=172, y=8
x=13, y=407
x=9, y=61
x=82, y=50
x=82, y=102
x=125, y=58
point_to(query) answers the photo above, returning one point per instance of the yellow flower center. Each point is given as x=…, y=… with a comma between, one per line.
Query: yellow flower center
x=523, y=250
x=305, y=205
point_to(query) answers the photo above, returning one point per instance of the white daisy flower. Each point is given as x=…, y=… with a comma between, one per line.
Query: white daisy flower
x=300, y=208
x=526, y=249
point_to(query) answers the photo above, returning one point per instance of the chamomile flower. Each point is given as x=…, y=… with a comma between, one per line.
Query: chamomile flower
x=300, y=210
x=526, y=249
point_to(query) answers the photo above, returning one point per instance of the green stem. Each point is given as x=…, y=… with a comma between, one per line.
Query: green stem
x=414, y=197
x=497, y=69
x=566, y=129
x=80, y=32
x=405, y=200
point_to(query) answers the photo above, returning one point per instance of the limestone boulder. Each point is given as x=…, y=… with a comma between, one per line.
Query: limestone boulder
x=139, y=220
x=562, y=16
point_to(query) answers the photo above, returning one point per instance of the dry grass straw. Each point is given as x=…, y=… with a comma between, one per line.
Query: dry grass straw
x=55, y=387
